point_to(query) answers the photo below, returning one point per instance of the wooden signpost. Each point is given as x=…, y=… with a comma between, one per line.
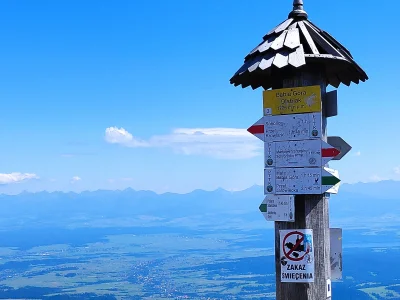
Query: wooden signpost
x=294, y=64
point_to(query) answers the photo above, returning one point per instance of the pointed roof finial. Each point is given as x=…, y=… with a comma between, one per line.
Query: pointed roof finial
x=298, y=11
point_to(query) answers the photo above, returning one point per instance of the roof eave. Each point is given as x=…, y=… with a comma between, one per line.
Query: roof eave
x=337, y=70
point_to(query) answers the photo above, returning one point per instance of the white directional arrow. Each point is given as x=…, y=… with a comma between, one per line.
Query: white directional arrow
x=304, y=153
x=297, y=181
x=278, y=208
x=257, y=129
x=340, y=144
x=288, y=127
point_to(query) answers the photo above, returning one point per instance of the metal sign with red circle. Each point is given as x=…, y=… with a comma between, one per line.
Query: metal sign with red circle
x=297, y=246
x=296, y=255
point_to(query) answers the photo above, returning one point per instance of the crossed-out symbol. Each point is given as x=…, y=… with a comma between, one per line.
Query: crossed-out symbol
x=294, y=247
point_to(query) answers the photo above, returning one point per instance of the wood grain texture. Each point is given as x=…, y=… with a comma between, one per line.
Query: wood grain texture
x=266, y=45
x=262, y=47
x=254, y=50
x=254, y=65
x=312, y=212
x=272, y=30
x=292, y=39
x=267, y=61
x=308, y=38
x=245, y=67
x=281, y=59
x=314, y=26
x=283, y=26
x=318, y=46
x=294, y=25
x=296, y=58
x=278, y=42
x=323, y=43
x=334, y=42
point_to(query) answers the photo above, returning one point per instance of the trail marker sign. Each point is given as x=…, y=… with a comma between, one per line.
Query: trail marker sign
x=335, y=188
x=298, y=181
x=304, y=153
x=288, y=127
x=296, y=100
x=336, y=253
x=278, y=208
x=339, y=144
x=297, y=255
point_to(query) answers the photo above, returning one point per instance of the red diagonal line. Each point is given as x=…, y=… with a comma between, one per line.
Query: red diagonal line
x=295, y=246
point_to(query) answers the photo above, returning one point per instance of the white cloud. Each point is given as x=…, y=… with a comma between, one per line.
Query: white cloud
x=396, y=170
x=224, y=143
x=75, y=179
x=16, y=177
x=120, y=136
x=358, y=153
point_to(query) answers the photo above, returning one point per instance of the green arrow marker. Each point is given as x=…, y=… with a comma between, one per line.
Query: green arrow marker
x=330, y=180
x=263, y=208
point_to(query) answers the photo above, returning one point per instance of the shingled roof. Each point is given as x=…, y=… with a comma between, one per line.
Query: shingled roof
x=294, y=44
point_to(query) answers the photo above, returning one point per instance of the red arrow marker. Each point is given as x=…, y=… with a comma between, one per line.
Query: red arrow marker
x=258, y=129
x=328, y=152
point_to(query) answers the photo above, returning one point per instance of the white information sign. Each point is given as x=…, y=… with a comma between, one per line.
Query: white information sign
x=297, y=181
x=304, y=153
x=278, y=208
x=292, y=127
x=336, y=253
x=297, y=255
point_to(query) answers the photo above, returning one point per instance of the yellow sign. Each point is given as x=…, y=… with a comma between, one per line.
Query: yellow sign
x=296, y=100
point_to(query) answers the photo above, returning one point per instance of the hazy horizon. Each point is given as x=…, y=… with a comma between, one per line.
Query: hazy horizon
x=176, y=192
x=127, y=170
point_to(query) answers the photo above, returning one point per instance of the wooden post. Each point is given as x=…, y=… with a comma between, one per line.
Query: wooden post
x=311, y=212
x=297, y=53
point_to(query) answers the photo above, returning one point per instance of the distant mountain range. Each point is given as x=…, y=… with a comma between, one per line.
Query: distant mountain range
x=355, y=203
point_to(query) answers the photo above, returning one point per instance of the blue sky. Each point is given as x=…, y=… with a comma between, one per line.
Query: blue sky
x=79, y=76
